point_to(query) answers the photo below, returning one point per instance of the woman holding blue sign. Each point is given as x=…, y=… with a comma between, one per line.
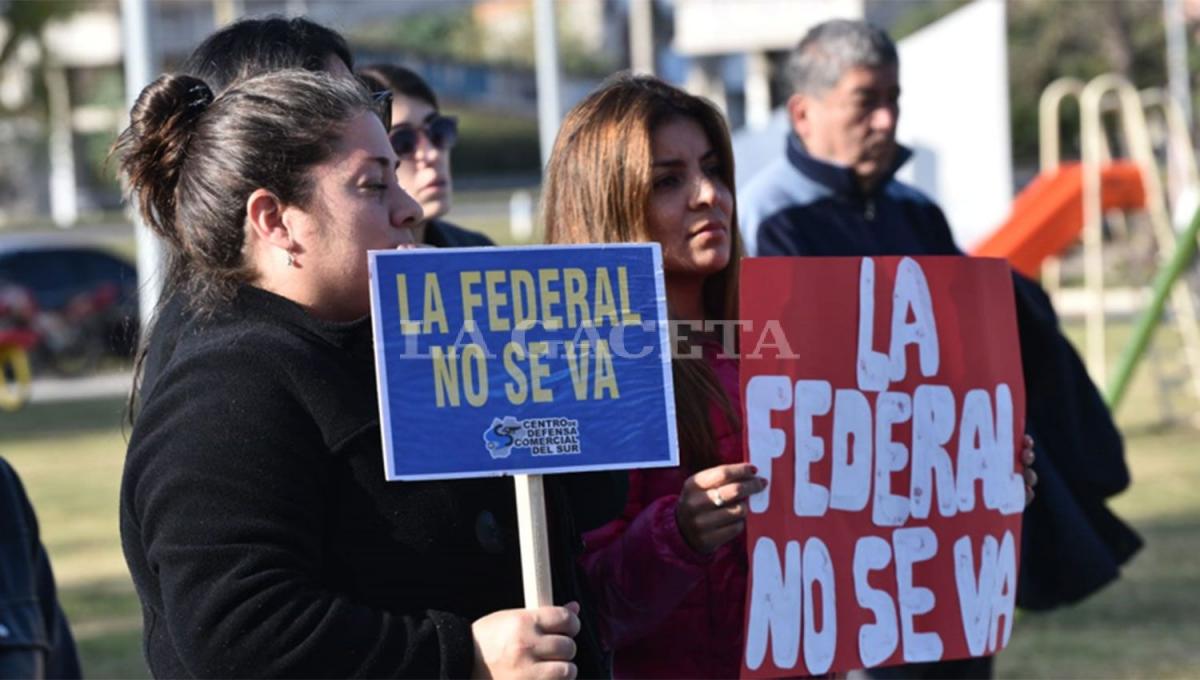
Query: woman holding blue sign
x=255, y=518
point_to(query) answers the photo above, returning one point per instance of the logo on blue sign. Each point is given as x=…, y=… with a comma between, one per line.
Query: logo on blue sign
x=500, y=436
x=533, y=437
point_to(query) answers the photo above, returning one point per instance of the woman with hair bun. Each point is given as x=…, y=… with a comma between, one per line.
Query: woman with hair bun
x=259, y=530
x=241, y=50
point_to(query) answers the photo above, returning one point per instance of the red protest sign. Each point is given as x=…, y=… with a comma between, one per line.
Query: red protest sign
x=885, y=403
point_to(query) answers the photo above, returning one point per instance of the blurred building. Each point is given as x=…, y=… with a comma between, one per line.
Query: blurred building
x=731, y=46
x=62, y=93
x=730, y=51
x=595, y=26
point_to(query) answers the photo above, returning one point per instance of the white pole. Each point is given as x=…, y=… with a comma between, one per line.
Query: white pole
x=1177, y=60
x=140, y=67
x=1179, y=151
x=641, y=36
x=520, y=216
x=64, y=199
x=531, y=503
x=549, y=99
x=534, y=535
x=758, y=90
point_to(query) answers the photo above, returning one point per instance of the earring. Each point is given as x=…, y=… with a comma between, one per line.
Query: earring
x=290, y=260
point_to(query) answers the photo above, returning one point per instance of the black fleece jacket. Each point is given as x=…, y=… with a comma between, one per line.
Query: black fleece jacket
x=263, y=539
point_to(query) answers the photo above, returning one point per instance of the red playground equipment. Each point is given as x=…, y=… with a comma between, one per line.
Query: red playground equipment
x=1047, y=217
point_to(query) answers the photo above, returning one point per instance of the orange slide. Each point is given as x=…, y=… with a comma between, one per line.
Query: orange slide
x=1047, y=216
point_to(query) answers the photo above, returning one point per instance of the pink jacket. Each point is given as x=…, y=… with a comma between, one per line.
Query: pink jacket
x=665, y=610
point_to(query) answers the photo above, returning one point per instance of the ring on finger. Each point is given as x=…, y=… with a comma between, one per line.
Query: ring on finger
x=717, y=500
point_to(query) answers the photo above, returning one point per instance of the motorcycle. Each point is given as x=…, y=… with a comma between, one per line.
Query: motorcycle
x=68, y=341
x=17, y=337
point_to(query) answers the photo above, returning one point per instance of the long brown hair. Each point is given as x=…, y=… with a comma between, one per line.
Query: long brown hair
x=597, y=190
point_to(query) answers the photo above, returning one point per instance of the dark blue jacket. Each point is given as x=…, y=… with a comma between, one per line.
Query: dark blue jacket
x=35, y=641
x=1072, y=544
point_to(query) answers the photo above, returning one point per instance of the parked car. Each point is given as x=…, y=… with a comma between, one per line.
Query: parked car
x=85, y=294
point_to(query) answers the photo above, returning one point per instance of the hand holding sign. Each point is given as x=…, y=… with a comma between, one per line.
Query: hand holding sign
x=526, y=643
x=712, y=506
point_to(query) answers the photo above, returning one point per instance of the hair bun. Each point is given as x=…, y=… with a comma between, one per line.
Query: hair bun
x=173, y=102
x=153, y=149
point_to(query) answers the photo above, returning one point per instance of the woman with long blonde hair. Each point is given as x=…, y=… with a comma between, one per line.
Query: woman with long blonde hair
x=642, y=161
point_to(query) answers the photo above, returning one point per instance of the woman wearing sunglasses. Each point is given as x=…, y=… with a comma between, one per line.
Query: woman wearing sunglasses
x=422, y=138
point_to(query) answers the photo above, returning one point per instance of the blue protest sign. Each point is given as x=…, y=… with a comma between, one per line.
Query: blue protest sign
x=525, y=360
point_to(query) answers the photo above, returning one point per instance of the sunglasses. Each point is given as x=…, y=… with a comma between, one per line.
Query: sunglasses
x=440, y=131
x=381, y=102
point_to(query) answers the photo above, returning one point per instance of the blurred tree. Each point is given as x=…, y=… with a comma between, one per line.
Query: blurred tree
x=921, y=15
x=27, y=21
x=450, y=33
x=1079, y=38
x=101, y=88
x=1050, y=39
x=500, y=143
x=453, y=33
x=50, y=97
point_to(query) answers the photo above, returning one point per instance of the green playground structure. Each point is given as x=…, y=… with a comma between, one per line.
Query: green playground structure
x=1164, y=282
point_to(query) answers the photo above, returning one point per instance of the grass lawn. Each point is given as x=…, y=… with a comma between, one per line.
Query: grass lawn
x=1145, y=625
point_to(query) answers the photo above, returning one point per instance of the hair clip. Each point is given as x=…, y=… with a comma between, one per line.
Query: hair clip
x=205, y=95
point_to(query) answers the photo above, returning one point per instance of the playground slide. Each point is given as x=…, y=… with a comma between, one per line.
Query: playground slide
x=1047, y=216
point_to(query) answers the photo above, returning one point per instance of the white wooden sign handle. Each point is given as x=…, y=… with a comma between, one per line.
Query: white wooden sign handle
x=535, y=540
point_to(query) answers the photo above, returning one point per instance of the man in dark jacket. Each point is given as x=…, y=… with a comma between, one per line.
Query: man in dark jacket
x=35, y=641
x=834, y=194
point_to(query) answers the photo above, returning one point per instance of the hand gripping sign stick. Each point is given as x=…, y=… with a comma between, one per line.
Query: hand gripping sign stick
x=535, y=540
